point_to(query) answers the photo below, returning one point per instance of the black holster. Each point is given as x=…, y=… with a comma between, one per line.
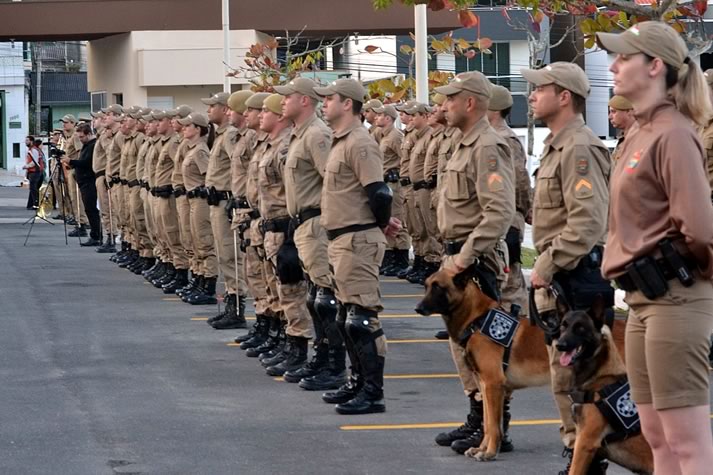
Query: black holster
x=512, y=240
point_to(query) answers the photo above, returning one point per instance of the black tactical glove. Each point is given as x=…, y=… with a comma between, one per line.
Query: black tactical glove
x=289, y=270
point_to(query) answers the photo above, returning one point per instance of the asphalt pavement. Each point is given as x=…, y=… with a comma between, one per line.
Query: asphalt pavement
x=103, y=374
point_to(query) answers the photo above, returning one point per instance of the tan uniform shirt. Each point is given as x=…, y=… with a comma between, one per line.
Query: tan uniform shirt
x=390, y=147
x=165, y=162
x=152, y=159
x=430, y=166
x=218, y=174
x=477, y=200
x=571, y=198
x=451, y=137
x=71, y=145
x=99, y=156
x=195, y=164
x=309, y=149
x=113, y=154
x=129, y=155
x=406, y=145
x=177, y=177
x=418, y=154
x=273, y=203
x=707, y=139
x=616, y=154
x=252, y=192
x=240, y=160
x=376, y=133
x=354, y=162
x=659, y=190
x=523, y=190
x=141, y=159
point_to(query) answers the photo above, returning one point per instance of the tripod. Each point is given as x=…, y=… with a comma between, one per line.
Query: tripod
x=59, y=172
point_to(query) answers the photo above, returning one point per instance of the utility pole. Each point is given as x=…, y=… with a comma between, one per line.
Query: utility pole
x=37, y=67
x=226, y=45
x=421, y=47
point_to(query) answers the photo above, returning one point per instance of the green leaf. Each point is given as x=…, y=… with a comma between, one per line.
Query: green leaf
x=406, y=49
x=590, y=42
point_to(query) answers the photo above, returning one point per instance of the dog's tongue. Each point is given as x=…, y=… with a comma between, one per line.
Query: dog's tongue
x=566, y=358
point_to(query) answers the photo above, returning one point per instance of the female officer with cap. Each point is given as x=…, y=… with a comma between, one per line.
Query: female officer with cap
x=660, y=196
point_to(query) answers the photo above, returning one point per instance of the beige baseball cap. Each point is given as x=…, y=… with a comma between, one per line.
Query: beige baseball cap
x=97, y=114
x=653, y=38
x=220, y=98
x=500, y=98
x=474, y=82
x=115, y=109
x=350, y=88
x=236, y=101
x=405, y=105
x=195, y=118
x=388, y=110
x=566, y=75
x=135, y=115
x=181, y=111
x=256, y=100
x=304, y=86
x=273, y=103
x=439, y=99
x=620, y=103
x=372, y=104
x=418, y=108
x=158, y=115
x=68, y=118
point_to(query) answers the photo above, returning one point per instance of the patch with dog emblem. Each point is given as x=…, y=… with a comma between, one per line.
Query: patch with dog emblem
x=500, y=327
x=618, y=408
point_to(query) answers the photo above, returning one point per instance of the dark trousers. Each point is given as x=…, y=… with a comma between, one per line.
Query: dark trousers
x=35, y=182
x=88, y=190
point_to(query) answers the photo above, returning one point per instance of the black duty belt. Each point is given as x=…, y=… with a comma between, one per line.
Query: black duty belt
x=146, y=186
x=405, y=181
x=165, y=191
x=420, y=185
x=626, y=283
x=179, y=191
x=276, y=225
x=221, y=195
x=254, y=214
x=453, y=247
x=100, y=173
x=305, y=215
x=133, y=183
x=199, y=192
x=243, y=202
x=124, y=181
x=335, y=233
x=391, y=175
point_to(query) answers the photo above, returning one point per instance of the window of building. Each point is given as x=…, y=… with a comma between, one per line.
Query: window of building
x=98, y=100
x=160, y=102
x=118, y=99
x=16, y=150
x=492, y=65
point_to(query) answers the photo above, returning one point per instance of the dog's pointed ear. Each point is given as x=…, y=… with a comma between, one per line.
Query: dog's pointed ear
x=597, y=312
x=460, y=280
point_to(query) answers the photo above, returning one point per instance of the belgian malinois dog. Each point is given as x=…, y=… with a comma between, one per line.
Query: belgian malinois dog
x=588, y=347
x=461, y=301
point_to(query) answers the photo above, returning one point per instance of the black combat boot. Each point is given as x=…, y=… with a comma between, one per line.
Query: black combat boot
x=279, y=353
x=178, y=281
x=417, y=274
x=124, y=254
x=399, y=264
x=204, y=293
x=415, y=269
x=476, y=438
x=319, y=362
x=108, y=247
x=136, y=264
x=331, y=377
x=345, y=392
x=131, y=258
x=193, y=282
x=119, y=253
x=296, y=358
x=165, y=277
x=149, y=262
x=430, y=269
x=273, y=335
x=80, y=231
x=472, y=424
x=387, y=261
x=442, y=335
x=257, y=334
x=234, y=314
x=148, y=273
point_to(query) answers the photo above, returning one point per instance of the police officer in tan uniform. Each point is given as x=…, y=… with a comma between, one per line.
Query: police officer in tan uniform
x=139, y=201
x=105, y=132
x=130, y=151
x=152, y=217
x=570, y=205
x=71, y=146
x=114, y=114
x=369, y=111
x=475, y=208
x=515, y=291
x=194, y=167
x=621, y=116
x=396, y=258
x=310, y=143
x=356, y=203
x=218, y=184
x=407, y=145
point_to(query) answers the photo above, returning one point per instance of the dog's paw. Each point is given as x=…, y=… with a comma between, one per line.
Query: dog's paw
x=480, y=455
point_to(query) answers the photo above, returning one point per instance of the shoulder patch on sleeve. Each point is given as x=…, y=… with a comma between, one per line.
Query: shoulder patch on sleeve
x=495, y=182
x=492, y=163
x=582, y=165
x=583, y=189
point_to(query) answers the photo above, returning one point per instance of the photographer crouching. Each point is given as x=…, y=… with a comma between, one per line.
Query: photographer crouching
x=86, y=179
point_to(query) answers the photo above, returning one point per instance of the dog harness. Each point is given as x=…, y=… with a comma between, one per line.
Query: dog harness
x=498, y=326
x=615, y=403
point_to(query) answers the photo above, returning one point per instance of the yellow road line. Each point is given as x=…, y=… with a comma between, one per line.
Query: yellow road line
x=402, y=296
x=394, y=281
x=408, y=376
x=425, y=340
x=440, y=425
x=171, y=299
x=199, y=319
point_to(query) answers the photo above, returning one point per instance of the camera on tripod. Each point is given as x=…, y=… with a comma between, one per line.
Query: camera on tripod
x=55, y=152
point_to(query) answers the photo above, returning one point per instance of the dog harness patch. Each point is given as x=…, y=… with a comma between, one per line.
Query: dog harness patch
x=618, y=407
x=499, y=327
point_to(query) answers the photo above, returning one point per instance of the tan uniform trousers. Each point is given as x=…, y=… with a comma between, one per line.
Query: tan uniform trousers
x=149, y=209
x=257, y=240
x=430, y=248
x=62, y=201
x=206, y=263
x=138, y=220
x=159, y=244
x=468, y=377
x=311, y=241
x=256, y=279
x=125, y=217
x=225, y=250
x=293, y=297
x=108, y=219
x=117, y=205
x=76, y=198
x=562, y=381
x=168, y=216
x=413, y=222
x=402, y=240
x=183, y=207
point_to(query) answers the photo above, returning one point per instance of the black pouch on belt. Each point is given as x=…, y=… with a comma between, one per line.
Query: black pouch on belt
x=647, y=277
x=512, y=240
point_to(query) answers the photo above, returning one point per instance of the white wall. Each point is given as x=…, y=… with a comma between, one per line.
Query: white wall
x=365, y=66
x=189, y=95
x=600, y=79
x=12, y=81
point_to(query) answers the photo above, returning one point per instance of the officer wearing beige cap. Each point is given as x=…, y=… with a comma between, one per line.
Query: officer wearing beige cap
x=356, y=212
x=99, y=160
x=113, y=117
x=310, y=142
x=139, y=204
x=396, y=258
x=133, y=140
x=515, y=291
x=570, y=202
x=661, y=176
x=475, y=208
x=71, y=146
x=621, y=116
x=218, y=183
x=405, y=180
x=369, y=112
